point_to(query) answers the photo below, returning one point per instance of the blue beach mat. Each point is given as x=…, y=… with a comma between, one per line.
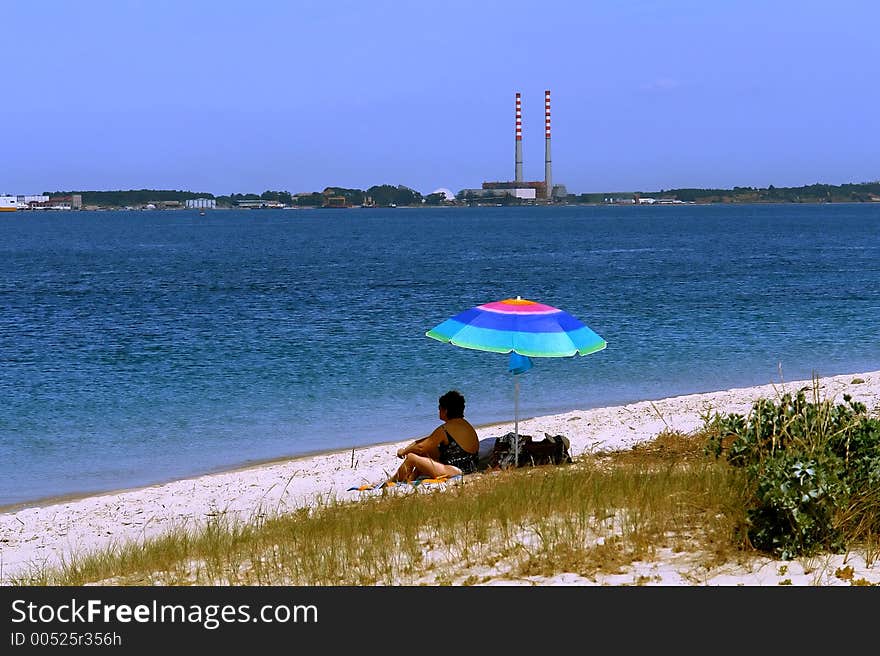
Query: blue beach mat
x=416, y=483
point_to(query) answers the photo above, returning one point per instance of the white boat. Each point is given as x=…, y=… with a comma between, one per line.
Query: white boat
x=8, y=204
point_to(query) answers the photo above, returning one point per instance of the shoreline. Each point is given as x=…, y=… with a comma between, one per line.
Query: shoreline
x=57, y=499
x=45, y=533
x=120, y=208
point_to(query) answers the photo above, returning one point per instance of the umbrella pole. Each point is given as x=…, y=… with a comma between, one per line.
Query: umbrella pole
x=516, y=420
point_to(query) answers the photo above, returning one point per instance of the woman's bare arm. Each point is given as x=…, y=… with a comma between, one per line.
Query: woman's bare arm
x=424, y=446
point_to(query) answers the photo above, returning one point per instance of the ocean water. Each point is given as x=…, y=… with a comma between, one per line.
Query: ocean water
x=139, y=347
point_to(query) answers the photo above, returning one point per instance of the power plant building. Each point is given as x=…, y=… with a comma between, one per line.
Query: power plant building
x=521, y=189
x=544, y=189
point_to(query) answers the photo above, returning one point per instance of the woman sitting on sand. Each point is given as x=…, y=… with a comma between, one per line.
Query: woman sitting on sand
x=449, y=451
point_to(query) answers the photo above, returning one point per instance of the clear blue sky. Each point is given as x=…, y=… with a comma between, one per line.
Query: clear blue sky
x=247, y=96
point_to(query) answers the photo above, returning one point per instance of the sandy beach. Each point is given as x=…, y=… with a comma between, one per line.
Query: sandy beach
x=45, y=534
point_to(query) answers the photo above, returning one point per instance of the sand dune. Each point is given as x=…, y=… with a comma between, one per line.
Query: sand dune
x=45, y=534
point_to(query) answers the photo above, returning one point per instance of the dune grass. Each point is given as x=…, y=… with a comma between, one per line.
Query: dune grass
x=596, y=515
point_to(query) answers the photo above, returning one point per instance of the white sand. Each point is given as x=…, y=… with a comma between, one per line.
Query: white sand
x=47, y=534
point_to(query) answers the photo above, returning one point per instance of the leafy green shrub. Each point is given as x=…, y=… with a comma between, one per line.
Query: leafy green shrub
x=807, y=464
x=795, y=504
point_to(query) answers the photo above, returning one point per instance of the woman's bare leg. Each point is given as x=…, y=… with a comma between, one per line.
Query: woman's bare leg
x=414, y=466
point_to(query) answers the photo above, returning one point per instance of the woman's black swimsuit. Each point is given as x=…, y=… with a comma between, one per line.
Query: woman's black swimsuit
x=451, y=453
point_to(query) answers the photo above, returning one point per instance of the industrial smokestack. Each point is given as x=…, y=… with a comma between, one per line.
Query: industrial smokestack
x=548, y=172
x=518, y=176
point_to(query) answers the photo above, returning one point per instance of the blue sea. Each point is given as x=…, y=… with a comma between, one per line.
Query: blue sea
x=140, y=347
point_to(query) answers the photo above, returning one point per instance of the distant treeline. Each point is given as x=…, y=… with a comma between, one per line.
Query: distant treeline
x=379, y=195
x=815, y=193
x=131, y=197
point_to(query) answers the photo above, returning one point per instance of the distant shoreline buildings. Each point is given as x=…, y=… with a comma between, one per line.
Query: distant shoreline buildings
x=9, y=203
x=201, y=204
x=388, y=196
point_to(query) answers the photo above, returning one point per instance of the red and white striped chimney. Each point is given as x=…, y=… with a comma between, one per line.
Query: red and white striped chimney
x=518, y=175
x=548, y=167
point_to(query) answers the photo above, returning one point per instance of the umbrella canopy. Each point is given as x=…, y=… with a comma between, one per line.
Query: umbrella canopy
x=523, y=328
x=517, y=325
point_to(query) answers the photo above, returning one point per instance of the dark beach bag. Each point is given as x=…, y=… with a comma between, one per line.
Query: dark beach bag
x=552, y=450
x=503, y=452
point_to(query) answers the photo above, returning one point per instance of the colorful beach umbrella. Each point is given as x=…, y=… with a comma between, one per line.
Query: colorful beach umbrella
x=524, y=329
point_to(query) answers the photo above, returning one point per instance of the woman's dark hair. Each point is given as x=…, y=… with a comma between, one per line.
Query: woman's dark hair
x=453, y=403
